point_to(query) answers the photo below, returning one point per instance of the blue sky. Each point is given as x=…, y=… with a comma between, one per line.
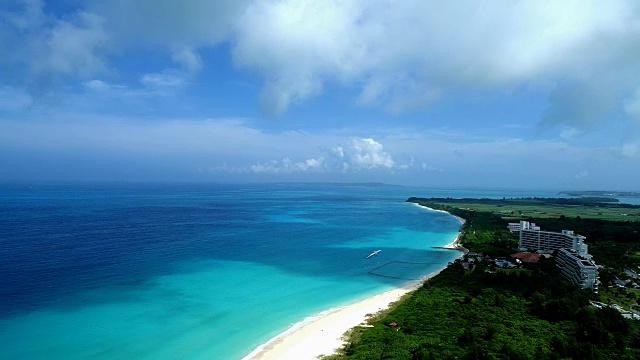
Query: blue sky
x=516, y=94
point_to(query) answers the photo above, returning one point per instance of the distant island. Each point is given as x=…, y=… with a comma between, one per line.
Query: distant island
x=602, y=193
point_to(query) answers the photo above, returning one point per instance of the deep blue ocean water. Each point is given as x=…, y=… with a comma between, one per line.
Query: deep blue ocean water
x=124, y=271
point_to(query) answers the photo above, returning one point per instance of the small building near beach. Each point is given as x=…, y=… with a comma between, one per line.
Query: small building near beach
x=528, y=257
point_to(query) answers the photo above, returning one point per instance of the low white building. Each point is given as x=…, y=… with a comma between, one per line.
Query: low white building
x=513, y=227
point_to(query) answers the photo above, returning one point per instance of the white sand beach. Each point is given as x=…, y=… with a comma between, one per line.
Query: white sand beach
x=322, y=334
x=454, y=245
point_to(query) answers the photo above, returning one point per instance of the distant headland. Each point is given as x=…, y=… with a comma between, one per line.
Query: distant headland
x=602, y=193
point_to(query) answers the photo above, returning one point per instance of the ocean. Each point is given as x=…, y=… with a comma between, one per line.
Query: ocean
x=200, y=271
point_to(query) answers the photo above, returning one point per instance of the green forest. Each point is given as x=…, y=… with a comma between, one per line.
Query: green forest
x=492, y=313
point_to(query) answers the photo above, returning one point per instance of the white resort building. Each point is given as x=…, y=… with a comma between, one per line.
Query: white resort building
x=513, y=227
x=580, y=270
x=572, y=255
x=531, y=237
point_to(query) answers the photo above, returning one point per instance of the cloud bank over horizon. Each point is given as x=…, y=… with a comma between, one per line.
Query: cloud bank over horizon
x=233, y=150
x=356, y=155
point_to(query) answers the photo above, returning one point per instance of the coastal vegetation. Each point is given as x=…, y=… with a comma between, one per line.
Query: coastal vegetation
x=484, y=312
x=614, y=243
x=600, y=208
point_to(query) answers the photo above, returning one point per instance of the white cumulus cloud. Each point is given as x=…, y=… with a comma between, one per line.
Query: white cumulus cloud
x=357, y=154
x=394, y=55
x=41, y=50
x=286, y=166
x=581, y=174
x=632, y=104
x=364, y=153
x=630, y=150
x=167, y=79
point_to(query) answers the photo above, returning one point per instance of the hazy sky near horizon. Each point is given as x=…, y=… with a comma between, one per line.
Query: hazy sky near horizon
x=517, y=94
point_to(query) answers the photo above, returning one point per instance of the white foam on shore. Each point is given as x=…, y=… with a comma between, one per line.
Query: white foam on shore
x=454, y=244
x=322, y=334
x=462, y=221
x=261, y=351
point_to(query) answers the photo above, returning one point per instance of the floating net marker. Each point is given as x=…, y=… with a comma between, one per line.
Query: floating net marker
x=401, y=269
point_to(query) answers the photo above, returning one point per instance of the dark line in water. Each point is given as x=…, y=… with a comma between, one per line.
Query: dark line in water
x=373, y=271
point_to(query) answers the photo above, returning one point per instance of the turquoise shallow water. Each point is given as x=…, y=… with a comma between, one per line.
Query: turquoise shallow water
x=216, y=310
x=198, y=271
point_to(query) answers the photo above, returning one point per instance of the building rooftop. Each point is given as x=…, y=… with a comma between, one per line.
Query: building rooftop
x=527, y=257
x=584, y=260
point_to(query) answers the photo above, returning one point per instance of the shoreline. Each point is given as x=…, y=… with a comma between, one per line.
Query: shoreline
x=462, y=221
x=455, y=244
x=322, y=334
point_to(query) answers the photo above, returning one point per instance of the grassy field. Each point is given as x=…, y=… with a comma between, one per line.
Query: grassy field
x=622, y=297
x=514, y=212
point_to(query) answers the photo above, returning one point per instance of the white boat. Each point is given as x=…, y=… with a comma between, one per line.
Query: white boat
x=373, y=253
